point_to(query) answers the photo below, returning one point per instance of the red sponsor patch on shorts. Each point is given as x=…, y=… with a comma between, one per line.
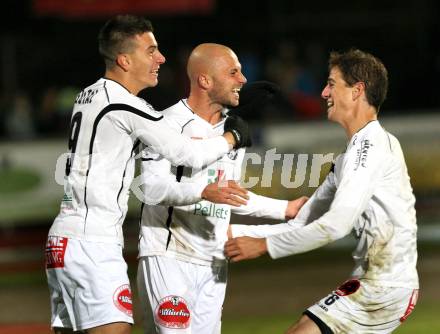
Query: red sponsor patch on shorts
x=412, y=303
x=172, y=312
x=55, y=251
x=349, y=287
x=122, y=299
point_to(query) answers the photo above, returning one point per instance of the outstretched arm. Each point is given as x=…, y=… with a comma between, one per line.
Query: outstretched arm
x=245, y=248
x=266, y=207
x=309, y=210
x=157, y=133
x=161, y=186
x=358, y=181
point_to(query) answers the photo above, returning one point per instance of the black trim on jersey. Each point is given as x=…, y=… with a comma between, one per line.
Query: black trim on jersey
x=122, y=186
x=332, y=168
x=85, y=201
x=321, y=324
x=168, y=223
x=118, y=84
x=106, y=93
x=179, y=174
x=147, y=159
x=118, y=106
x=103, y=112
x=140, y=222
x=189, y=108
x=135, y=146
x=183, y=126
x=186, y=105
x=113, y=107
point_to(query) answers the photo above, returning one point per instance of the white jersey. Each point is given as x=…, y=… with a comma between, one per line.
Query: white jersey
x=107, y=124
x=193, y=232
x=367, y=192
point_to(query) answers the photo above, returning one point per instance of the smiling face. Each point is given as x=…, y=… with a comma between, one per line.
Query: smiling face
x=145, y=60
x=227, y=80
x=339, y=97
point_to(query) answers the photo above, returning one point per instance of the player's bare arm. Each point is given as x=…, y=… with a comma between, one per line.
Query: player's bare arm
x=225, y=192
x=294, y=206
x=245, y=248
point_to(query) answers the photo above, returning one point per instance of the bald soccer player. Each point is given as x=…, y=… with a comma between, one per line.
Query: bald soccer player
x=182, y=269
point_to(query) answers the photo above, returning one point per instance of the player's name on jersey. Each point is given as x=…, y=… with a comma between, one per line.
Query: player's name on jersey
x=86, y=96
x=210, y=210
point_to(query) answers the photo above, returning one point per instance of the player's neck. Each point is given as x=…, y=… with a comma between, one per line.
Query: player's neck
x=360, y=120
x=210, y=112
x=123, y=80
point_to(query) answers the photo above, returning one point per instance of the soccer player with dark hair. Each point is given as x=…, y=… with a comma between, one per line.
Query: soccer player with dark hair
x=86, y=272
x=367, y=193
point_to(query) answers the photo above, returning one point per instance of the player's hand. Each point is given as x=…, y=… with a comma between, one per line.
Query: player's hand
x=294, y=206
x=239, y=130
x=244, y=248
x=254, y=96
x=225, y=192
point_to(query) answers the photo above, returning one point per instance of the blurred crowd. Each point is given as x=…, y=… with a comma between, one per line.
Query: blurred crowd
x=24, y=118
x=300, y=76
x=287, y=42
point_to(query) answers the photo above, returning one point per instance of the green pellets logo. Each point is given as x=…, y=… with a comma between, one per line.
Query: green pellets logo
x=210, y=210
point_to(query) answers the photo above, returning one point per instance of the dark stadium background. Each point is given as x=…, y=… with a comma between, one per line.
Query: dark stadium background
x=48, y=51
x=45, y=49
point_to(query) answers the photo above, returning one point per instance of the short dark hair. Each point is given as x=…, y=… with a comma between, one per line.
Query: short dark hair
x=116, y=36
x=359, y=66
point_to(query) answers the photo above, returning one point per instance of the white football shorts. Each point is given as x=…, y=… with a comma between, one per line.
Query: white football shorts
x=88, y=283
x=179, y=297
x=361, y=308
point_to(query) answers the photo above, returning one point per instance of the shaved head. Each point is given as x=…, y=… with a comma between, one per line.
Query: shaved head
x=205, y=59
x=215, y=75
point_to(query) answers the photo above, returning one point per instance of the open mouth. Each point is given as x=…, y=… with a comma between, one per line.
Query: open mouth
x=329, y=104
x=236, y=92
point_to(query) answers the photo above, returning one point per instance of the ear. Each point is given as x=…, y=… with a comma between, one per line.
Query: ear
x=358, y=90
x=123, y=61
x=204, y=81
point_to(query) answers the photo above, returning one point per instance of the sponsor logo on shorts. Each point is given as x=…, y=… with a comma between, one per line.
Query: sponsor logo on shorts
x=323, y=307
x=349, y=287
x=122, y=299
x=55, y=251
x=172, y=312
